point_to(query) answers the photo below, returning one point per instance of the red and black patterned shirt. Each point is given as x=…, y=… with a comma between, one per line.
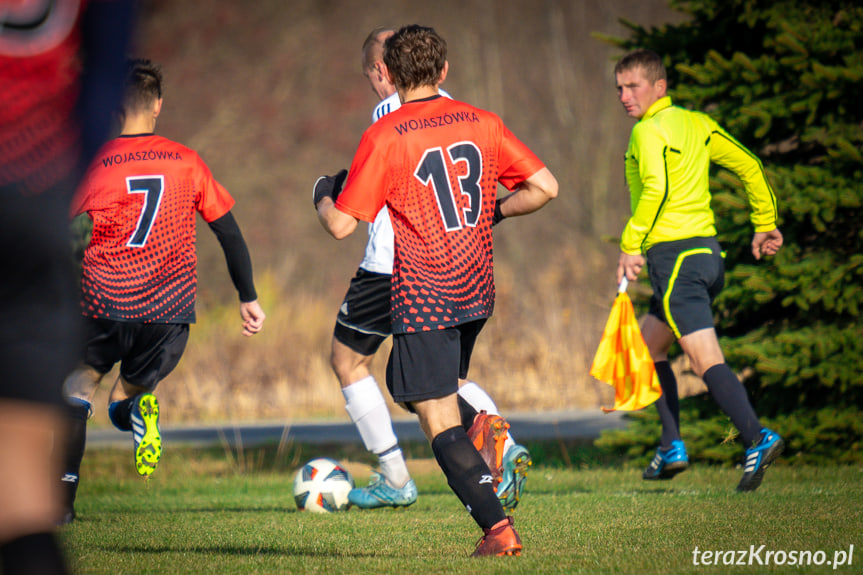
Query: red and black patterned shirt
x=40, y=78
x=142, y=193
x=435, y=163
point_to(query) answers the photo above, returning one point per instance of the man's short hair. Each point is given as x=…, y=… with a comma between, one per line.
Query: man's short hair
x=143, y=85
x=415, y=57
x=373, y=47
x=649, y=61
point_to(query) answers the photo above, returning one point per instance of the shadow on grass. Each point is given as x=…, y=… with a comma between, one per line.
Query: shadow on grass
x=194, y=510
x=239, y=550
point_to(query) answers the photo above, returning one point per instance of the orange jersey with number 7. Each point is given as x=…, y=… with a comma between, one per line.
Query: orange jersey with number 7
x=435, y=163
x=142, y=193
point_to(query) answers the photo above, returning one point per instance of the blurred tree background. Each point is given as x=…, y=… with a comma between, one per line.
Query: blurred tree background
x=786, y=78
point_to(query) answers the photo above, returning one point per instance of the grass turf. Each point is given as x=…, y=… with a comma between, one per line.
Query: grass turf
x=206, y=511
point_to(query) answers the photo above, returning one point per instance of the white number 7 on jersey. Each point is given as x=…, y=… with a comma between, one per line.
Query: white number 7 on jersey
x=151, y=187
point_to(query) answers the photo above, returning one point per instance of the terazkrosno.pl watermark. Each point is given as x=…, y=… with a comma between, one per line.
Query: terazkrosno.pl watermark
x=760, y=555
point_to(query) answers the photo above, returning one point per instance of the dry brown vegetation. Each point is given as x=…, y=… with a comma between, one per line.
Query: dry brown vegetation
x=270, y=93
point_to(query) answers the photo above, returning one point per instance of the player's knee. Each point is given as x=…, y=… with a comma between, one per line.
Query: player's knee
x=349, y=366
x=124, y=390
x=81, y=384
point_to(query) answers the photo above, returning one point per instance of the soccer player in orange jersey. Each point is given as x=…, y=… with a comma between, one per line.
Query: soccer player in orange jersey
x=435, y=164
x=362, y=325
x=142, y=193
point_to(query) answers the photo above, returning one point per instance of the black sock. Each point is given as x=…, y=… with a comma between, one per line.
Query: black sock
x=37, y=554
x=731, y=396
x=668, y=405
x=76, y=441
x=120, y=412
x=468, y=476
x=467, y=412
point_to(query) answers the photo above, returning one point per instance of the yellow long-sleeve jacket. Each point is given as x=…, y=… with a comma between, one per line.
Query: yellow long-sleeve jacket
x=667, y=171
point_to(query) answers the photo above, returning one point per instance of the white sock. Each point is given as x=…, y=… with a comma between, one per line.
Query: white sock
x=393, y=468
x=368, y=410
x=476, y=396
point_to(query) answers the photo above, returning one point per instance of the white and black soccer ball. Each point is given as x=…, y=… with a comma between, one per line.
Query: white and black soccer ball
x=322, y=485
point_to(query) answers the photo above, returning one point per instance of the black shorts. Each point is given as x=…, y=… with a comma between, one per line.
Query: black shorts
x=147, y=352
x=364, y=320
x=40, y=320
x=686, y=276
x=428, y=364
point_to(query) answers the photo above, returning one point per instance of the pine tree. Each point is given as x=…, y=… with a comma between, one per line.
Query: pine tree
x=786, y=79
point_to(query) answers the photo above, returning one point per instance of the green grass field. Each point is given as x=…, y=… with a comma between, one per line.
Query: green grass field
x=211, y=511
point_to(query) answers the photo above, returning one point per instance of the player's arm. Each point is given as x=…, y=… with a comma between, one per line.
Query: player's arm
x=646, y=177
x=239, y=263
x=529, y=196
x=734, y=156
x=324, y=193
x=339, y=224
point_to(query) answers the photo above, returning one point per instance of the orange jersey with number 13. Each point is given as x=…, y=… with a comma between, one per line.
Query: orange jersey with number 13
x=435, y=163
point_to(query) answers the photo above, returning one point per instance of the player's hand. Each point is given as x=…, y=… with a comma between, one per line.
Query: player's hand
x=329, y=187
x=766, y=243
x=253, y=317
x=630, y=266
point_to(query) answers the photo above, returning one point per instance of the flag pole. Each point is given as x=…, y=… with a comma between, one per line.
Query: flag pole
x=624, y=283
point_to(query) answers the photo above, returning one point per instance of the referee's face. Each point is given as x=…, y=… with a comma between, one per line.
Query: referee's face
x=636, y=92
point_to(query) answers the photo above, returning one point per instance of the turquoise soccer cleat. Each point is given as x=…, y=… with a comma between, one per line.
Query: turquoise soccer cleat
x=516, y=463
x=667, y=462
x=379, y=493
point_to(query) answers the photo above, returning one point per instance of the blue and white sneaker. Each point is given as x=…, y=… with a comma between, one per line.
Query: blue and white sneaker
x=146, y=436
x=379, y=493
x=758, y=459
x=515, y=465
x=667, y=462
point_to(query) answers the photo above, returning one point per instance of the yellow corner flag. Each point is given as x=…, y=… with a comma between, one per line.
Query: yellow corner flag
x=623, y=360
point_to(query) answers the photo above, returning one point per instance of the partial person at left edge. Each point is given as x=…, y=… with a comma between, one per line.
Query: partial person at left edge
x=61, y=70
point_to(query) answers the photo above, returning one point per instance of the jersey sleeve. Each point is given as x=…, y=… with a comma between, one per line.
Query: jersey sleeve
x=517, y=162
x=364, y=193
x=213, y=200
x=646, y=178
x=734, y=156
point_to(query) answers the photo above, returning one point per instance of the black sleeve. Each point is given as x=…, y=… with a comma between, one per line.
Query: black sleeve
x=236, y=255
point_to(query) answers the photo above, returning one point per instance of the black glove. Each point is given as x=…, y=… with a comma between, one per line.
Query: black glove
x=498, y=216
x=329, y=187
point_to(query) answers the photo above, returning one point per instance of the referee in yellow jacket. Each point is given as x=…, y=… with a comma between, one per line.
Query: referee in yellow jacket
x=672, y=230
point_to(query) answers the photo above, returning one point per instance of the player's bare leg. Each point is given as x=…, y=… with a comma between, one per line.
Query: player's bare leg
x=364, y=402
x=30, y=497
x=29, y=494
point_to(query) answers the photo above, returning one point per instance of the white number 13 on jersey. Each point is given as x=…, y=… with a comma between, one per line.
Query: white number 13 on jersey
x=432, y=170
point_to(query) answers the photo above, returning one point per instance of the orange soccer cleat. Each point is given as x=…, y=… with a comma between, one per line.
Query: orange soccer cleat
x=500, y=539
x=488, y=434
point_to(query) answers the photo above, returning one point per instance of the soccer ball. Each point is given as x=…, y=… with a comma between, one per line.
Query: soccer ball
x=322, y=486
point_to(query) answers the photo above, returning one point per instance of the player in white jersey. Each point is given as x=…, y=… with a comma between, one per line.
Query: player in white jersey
x=362, y=325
